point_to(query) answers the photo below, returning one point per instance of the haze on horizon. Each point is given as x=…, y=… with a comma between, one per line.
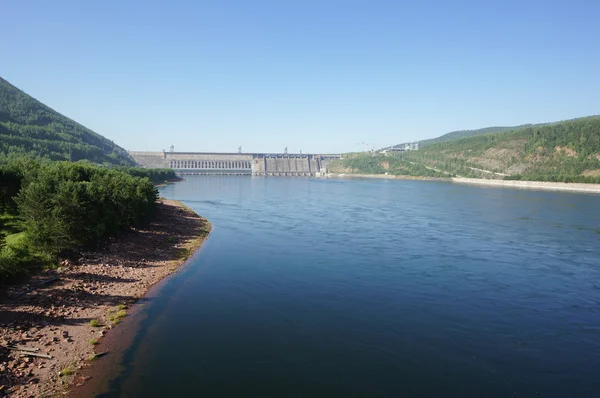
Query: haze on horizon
x=308, y=75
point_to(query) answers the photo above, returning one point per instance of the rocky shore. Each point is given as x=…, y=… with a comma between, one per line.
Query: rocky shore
x=539, y=185
x=50, y=324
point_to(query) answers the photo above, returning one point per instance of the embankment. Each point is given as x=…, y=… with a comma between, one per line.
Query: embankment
x=551, y=186
x=63, y=319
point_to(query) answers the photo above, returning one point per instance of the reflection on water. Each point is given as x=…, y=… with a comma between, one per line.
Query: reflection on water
x=385, y=288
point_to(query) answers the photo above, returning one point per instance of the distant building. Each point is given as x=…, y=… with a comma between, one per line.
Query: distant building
x=404, y=147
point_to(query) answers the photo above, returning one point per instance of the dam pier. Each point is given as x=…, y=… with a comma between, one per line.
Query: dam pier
x=256, y=164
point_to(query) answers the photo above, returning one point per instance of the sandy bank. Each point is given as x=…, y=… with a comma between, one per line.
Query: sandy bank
x=551, y=186
x=57, y=319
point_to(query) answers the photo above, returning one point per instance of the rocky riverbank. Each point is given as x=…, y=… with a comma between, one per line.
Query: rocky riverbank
x=49, y=325
x=540, y=185
x=543, y=185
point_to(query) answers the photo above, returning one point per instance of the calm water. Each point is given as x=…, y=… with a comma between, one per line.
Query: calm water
x=340, y=288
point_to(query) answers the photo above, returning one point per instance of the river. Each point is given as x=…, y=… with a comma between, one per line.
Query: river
x=375, y=288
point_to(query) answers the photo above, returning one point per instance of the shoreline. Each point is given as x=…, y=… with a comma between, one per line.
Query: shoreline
x=168, y=182
x=85, y=299
x=515, y=184
x=535, y=185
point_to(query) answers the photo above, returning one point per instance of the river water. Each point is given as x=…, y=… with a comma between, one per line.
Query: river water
x=375, y=288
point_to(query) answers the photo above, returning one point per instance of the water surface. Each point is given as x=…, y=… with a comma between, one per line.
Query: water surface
x=379, y=288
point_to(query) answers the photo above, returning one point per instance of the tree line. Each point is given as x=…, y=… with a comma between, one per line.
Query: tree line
x=50, y=208
x=156, y=176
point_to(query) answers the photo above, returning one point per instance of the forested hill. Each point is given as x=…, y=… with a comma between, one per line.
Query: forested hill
x=28, y=126
x=453, y=135
x=566, y=151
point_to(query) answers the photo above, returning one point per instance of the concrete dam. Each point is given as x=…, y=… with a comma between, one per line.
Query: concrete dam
x=256, y=164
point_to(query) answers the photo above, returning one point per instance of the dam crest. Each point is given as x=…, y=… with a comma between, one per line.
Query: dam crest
x=256, y=164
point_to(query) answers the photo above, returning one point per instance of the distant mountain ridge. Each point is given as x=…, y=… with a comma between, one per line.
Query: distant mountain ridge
x=458, y=134
x=28, y=126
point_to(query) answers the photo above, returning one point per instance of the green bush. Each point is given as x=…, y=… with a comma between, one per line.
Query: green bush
x=47, y=208
x=14, y=260
x=156, y=176
x=72, y=204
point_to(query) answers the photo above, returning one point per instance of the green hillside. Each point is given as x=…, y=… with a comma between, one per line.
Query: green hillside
x=564, y=151
x=453, y=135
x=366, y=163
x=28, y=126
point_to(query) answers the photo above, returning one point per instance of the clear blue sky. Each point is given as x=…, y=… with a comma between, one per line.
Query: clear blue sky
x=320, y=76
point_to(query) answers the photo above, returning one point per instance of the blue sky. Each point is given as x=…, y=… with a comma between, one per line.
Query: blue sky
x=317, y=76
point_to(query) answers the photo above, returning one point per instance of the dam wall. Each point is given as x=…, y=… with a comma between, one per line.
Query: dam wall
x=284, y=166
x=257, y=164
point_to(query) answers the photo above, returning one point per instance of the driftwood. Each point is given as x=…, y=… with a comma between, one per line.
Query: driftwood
x=35, y=354
x=29, y=351
x=23, y=348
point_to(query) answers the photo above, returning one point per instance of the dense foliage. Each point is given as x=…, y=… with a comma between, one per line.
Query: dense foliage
x=366, y=163
x=50, y=204
x=49, y=208
x=29, y=127
x=156, y=176
x=565, y=151
x=454, y=135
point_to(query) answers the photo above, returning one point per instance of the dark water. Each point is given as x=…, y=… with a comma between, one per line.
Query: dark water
x=340, y=288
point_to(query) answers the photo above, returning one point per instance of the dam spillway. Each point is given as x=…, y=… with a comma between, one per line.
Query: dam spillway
x=256, y=164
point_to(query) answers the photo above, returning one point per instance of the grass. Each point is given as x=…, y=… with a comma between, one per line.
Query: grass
x=115, y=316
x=93, y=341
x=18, y=240
x=92, y=357
x=9, y=224
x=185, y=253
x=69, y=370
x=15, y=256
x=94, y=323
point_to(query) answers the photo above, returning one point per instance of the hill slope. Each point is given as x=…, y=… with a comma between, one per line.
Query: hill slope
x=564, y=151
x=28, y=126
x=453, y=135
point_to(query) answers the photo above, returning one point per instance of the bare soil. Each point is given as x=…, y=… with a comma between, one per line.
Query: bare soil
x=591, y=173
x=568, y=151
x=64, y=317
